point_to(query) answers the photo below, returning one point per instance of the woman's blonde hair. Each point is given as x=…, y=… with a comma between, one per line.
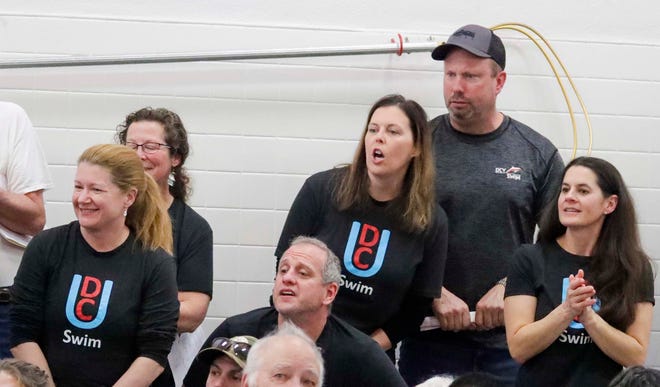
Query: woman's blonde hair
x=147, y=217
x=416, y=203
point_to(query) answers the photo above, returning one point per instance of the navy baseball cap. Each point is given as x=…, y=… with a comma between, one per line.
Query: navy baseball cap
x=474, y=39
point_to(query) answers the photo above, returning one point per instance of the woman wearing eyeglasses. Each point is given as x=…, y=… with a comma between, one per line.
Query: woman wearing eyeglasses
x=95, y=301
x=578, y=304
x=161, y=141
x=379, y=216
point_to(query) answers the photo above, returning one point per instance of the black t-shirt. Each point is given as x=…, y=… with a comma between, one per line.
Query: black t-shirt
x=573, y=359
x=193, y=249
x=193, y=253
x=350, y=357
x=93, y=313
x=381, y=263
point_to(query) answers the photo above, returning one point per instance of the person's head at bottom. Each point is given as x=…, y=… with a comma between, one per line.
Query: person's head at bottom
x=637, y=376
x=18, y=373
x=287, y=357
x=226, y=359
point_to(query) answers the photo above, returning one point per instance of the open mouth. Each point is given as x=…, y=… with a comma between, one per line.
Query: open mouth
x=378, y=154
x=287, y=292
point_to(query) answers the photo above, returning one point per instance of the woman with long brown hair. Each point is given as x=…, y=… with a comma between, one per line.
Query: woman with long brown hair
x=579, y=303
x=378, y=214
x=96, y=300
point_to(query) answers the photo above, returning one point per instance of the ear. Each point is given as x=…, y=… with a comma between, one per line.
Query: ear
x=331, y=290
x=416, y=152
x=500, y=80
x=130, y=197
x=610, y=204
x=176, y=160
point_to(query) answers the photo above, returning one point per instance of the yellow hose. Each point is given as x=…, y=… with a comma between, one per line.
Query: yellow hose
x=523, y=29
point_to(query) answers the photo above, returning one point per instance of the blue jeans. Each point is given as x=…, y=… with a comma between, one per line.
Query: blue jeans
x=422, y=359
x=4, y=331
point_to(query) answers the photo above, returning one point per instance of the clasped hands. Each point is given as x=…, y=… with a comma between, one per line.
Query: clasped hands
x=579, y=296
x=454, y=315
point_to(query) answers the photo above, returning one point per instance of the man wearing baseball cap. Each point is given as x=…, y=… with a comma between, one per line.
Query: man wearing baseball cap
x=494, y=175
x=226, y=360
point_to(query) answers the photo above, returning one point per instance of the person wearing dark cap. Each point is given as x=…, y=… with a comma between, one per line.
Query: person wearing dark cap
x=226, y=360
x=494, y=175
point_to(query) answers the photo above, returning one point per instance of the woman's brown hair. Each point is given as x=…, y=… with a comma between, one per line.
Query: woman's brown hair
x=417, y=199
x=618, y=263
x=175, y=136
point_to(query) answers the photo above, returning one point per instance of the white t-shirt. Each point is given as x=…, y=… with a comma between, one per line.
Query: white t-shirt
x=23, y=169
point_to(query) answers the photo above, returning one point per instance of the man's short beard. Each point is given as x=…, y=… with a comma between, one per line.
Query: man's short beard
x=460, y=116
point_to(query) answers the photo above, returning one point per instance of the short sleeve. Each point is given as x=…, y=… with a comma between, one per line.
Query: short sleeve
x=194, y=252
x=521, y=278
x=430, y=273
x=304, y=214
x=649, y=293
x=26, y=169
x=549, y=183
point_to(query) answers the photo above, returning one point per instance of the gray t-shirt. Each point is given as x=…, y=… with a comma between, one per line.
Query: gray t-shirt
x=493, y=188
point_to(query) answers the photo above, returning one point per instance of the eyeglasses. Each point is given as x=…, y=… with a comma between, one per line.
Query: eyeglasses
x=147, y=147
x=237, y=348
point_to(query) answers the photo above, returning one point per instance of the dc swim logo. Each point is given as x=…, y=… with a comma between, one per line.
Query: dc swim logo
x=89, y=296
x=365, y=249
x=564, y=291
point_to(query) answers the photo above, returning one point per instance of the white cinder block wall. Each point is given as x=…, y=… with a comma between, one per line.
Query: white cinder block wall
x=260, y=127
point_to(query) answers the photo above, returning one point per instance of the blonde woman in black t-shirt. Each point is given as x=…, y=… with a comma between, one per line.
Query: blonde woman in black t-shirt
x=95, y=300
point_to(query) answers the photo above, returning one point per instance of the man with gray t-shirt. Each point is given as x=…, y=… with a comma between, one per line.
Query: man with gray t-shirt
x=494, y=175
